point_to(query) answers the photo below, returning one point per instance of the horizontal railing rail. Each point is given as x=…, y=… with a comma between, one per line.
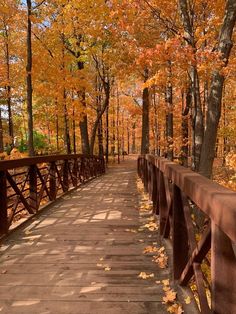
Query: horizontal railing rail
x=204, y=255
x=28, y=183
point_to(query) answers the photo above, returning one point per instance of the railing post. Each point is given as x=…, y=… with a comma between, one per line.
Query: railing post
x=180, y=235
x=3, y=203
x=33, y=194
x=162, y=204
x=65, y=175
x=52, y=181
x=223, y=272
x=75, y=172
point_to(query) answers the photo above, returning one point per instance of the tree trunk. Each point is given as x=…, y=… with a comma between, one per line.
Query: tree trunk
x=118, y=125
x=83, y=125
x=145, y=118
x=197, y=118
x=156, y=133
x=133, y=148
x=1, y=133
x=107, y=135
x=169, y=121
x=74, y=131
x=8, y=88
x=216, y=88
x=66, y=126
x=29, y=81
x=100, y=112
x=186, y=105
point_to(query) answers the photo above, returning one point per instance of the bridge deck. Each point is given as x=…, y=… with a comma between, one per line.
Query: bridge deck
x=84, y=254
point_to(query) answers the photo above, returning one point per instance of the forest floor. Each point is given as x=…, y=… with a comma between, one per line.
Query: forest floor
x=96, y=250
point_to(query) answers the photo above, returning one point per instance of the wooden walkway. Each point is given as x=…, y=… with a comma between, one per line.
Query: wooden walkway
x=84, y=254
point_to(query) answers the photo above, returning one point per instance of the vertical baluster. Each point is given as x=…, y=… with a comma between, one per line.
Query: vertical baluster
x=180, y=234
x=75, y=172
x=66, y=175
x=52, y=181
x=3, y=203
x=223, y=272
x=33, y=192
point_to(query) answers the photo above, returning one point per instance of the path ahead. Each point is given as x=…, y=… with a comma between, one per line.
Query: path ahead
x=84, y=254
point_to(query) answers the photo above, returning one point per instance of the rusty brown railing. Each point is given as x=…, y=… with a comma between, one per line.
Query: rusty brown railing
x=178, y=196
x=28, y=183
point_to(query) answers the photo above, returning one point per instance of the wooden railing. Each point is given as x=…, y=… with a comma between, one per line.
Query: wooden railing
x=28, y=183
x=180, y=196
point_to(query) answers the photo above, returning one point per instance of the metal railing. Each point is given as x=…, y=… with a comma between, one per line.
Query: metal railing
x=28, y=183
x=180, y=196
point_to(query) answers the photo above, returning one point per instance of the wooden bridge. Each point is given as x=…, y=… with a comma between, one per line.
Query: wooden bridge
x=94, y=246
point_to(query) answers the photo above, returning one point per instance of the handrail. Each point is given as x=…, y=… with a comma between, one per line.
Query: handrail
x=28, y=183
x=176, y=193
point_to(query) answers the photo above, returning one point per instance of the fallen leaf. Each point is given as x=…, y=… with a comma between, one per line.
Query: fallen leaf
x=166, y=282
x=150, y=249
x=107, y=268
x=175, y=309
x=99, y=265
x=170, y=296
x=144, y=275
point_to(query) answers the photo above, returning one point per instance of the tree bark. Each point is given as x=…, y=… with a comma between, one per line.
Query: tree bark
x=224, y=47
x=8, y=87
x=107, y=135
x=169, y=117
x=29, y=81
x=197, y=118
x=1, y=133
x=186, y=105
x=145, y=118
x=99, y=115
x=133, y=147
x=66, y=126
x=83, y=125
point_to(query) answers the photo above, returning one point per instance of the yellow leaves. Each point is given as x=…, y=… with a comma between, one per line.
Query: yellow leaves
x=150, y=249
x=145, y=275
x=170, y=296
x=151, y=226
x=161, y=260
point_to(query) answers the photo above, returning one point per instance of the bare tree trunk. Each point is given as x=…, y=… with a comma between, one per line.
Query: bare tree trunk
x=186, y=105
x=197, y=118
x=29, y=81
x=216, y=88
x=99, y=115
x=156, y=135
x=66, y=128
x=74, y=131
x=128, y=139
x=133, y=148
x=107, y=135
x=1, y=133
x=8, y=87
x=145, y=118
x=169, y=118
x=118, y=125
